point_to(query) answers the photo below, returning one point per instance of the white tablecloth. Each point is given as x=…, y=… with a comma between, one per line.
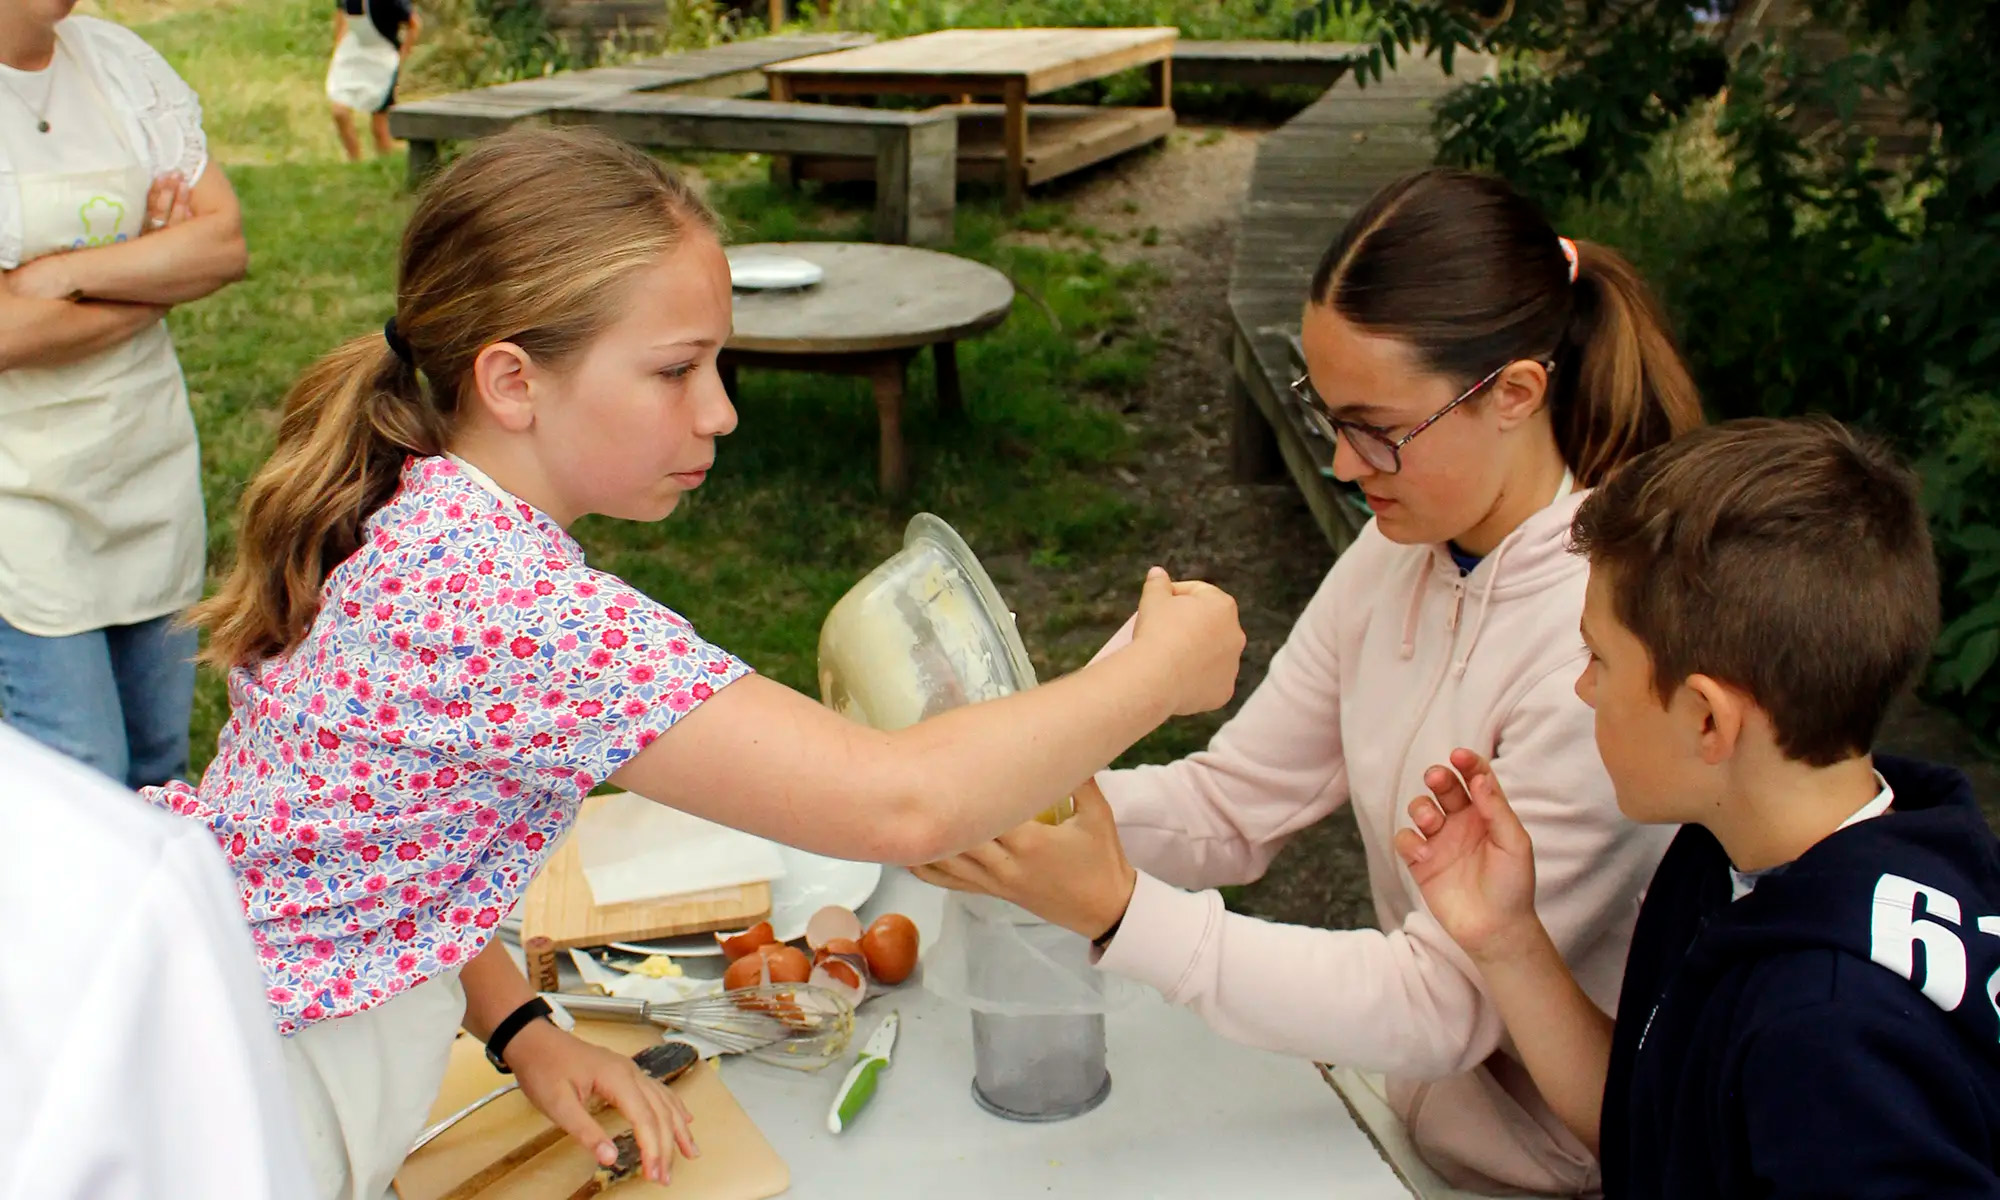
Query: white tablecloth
x=1189, y=1115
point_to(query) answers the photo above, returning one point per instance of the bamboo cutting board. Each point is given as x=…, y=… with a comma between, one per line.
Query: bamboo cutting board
x=736, y=1162
x=559, y=906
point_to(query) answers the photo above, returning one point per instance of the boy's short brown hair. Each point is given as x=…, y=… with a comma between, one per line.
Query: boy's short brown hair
x=1790, y=559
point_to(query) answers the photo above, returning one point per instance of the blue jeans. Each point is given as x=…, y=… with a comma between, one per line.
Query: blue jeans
x=116, y=699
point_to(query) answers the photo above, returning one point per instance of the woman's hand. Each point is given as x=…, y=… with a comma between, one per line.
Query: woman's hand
x=167, y=202
x=1074, y=874
x=49, y=277
x=561, y=1074
x=1194, y=626
x=1472, y=859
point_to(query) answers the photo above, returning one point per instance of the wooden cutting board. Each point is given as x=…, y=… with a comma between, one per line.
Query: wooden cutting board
x=559, y=908
x=736, y=1162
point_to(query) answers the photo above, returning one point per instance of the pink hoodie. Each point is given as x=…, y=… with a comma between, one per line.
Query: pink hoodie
x=1397, y=660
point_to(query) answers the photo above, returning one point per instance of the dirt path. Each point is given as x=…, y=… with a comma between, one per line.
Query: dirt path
x=1257, y=542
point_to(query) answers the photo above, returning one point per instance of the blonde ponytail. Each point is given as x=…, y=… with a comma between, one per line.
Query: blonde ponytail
x=486, y=258
x=349, y=423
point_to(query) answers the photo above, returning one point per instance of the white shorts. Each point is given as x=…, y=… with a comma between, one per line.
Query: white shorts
x=362, y=75
x=363, y=1085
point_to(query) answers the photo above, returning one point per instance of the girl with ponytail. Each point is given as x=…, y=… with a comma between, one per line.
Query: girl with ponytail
x=1477, y=374
x=426, y=678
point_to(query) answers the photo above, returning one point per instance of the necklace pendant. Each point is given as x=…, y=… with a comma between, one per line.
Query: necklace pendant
x=42, y=126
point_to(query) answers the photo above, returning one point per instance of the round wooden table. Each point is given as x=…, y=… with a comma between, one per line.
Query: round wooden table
x=877, y=307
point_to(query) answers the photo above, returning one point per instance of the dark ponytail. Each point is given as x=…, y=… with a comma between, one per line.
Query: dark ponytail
x=1471, y=274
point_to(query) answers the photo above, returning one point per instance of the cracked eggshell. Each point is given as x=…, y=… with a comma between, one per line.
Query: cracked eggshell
x=846, y=974
x=832, y=923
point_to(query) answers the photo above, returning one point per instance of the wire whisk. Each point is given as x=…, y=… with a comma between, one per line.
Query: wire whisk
x=797, y=1025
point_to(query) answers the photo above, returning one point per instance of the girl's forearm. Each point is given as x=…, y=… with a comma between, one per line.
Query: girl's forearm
x=494, y=987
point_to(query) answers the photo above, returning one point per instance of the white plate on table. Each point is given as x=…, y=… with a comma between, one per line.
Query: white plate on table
x=810, y=883
x=772, y=272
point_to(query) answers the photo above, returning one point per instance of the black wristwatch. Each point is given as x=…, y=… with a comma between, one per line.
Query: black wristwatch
x=514, y=1022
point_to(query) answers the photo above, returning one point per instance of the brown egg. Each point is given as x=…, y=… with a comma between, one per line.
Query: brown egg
x=891, y=947
x=747, y=971
x=734, y=948
x=789, y=964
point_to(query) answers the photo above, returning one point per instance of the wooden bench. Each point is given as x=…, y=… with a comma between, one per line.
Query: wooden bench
x=1265, y=63
x=914, y=154
x=731, y=69
x=1310, y=176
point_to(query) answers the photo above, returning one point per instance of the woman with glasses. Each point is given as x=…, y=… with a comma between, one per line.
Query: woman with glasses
x=1477, y=374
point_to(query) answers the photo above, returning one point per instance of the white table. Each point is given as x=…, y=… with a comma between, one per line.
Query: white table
x=1189, y=1115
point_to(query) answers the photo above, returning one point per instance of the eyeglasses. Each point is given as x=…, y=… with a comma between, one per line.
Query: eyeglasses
x=1373, y=444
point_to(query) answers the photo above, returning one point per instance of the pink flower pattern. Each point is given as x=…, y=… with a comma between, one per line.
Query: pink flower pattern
x=386, y=790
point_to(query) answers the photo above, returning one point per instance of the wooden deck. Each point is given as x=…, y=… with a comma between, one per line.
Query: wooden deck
x=1310, y=176
x=1265, y=63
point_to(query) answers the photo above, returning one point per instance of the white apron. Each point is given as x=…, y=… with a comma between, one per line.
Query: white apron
x=364, y=67
x=101, y=519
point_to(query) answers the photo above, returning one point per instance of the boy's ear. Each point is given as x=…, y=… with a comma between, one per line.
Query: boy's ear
x=1722, y=712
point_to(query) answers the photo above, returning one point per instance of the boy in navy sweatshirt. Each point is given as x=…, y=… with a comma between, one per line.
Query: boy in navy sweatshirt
x=1811, y=1007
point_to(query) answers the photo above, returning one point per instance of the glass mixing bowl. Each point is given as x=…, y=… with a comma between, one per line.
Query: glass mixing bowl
x=923, y=633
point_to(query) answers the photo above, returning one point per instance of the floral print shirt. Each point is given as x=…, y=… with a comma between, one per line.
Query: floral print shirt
x=387, y=789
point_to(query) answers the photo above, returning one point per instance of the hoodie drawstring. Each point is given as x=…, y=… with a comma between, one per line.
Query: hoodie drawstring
x=1416, y=609
x=1493, y=577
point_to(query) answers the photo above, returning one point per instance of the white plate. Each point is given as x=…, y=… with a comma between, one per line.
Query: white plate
x=762, y=272
x=810, y=883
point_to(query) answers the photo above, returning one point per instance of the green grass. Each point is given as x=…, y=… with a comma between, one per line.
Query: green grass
x=258, y=66
x=792, y=516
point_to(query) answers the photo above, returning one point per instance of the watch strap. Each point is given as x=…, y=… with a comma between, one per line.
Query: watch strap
x=513, y=1023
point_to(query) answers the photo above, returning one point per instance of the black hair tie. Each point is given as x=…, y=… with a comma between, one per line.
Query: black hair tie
x=397, y=346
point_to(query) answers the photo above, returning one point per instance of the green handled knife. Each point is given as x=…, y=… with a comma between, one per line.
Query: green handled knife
x=859, y=1086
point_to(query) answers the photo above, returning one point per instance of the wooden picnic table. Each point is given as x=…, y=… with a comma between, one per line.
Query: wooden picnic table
x=1019, y=145
x=876, y=308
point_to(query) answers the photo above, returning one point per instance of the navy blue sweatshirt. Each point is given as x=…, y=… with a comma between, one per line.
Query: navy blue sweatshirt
x=1832, y=1034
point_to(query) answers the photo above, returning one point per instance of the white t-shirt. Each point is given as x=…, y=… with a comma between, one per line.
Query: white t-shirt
x=137, y=1055
x=157, y=113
